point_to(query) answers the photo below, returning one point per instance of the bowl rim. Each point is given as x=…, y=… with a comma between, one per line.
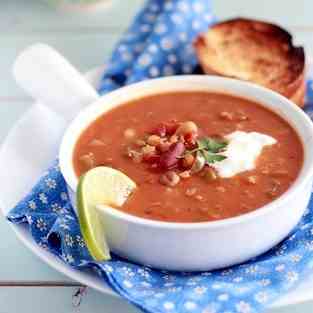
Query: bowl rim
x=66, y=164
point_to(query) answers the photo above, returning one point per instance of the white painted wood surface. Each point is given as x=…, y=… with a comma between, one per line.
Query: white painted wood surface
x=87, y=39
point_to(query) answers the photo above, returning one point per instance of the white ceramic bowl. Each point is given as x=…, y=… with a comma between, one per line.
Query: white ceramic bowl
x=206, y=245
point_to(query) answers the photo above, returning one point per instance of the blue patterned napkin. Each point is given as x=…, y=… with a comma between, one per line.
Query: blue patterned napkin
x=158, y=43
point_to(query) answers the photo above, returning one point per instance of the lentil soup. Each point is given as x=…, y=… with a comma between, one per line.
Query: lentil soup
x=195, y=156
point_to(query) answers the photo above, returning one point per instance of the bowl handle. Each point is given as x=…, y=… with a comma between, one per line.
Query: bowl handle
x=50, y=79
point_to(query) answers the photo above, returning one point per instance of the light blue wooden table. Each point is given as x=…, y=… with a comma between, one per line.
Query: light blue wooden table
x=26, y=283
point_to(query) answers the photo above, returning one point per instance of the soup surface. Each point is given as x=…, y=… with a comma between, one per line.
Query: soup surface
x=175, y=145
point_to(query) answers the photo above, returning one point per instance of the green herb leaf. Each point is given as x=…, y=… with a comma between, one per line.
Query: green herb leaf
x=211, y=158
x=211, y=144
x=208, y=149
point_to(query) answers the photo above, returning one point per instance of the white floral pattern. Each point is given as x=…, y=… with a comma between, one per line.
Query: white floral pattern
x=189, y=305
x=64, y=225
x=265, y=282
x=144, y=272
x=41, y=225
x=261, y=297
x=253, y=269
x=200, y=290
x=223, y=297
x=80, y=241
x=69, y=240
x=158, y=43
x=292, y=276
x=64, y=196
x=295, y=258
x=32, y=204
x=237, y=279
x=128, y=271
x=43, y=198
x=57, y=208
x=168, y=305
x=280, y=268
x=68, y=258
x=51, y=183
x=127, y=284
x=243, y=307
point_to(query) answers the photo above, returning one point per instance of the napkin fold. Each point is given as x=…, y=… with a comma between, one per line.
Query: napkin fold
x=158, y=43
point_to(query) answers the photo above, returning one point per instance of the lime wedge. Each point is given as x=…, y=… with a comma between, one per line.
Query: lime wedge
x=100, y=185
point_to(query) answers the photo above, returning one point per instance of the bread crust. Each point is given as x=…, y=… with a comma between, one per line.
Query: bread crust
x=255, y=51
x=299, y=96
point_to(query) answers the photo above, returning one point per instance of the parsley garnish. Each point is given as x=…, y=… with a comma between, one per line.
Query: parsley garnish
x=212, y=157
x=211, y=145
x=208, y=149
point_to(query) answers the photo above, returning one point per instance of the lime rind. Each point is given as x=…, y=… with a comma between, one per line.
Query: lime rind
x=100, y=185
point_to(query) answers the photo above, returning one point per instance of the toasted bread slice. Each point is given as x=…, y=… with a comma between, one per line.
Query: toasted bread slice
x=255, y=51
x=299, y=96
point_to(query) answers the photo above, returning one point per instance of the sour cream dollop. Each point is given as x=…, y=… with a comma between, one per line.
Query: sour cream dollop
x=242, y=151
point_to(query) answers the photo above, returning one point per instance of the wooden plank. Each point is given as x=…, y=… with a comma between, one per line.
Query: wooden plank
x=32, y=16
x=34, y=283
x=58, y=299
x=84, y=51
x=297, y=13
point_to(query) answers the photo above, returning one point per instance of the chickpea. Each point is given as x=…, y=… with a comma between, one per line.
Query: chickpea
x=220, y=189
x=199, y=198
x=170, y=178
x=251, y=180
x=96, y=143
x=248, y=193
x=187, y=128
x=88, y=160
x=242, y=117
x=140, y=143
x=226, y=116
x=185, y=174
x=173, y=139
x=134, y=155
x=154, y=140
x=188, y=160
x=148, y=149
x=137, y=157
x=191, y=191
x=129, y=133
x=209, y=174
x=275, y=188
x=265, y=171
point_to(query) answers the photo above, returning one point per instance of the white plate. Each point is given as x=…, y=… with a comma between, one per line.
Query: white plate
x=28, y=150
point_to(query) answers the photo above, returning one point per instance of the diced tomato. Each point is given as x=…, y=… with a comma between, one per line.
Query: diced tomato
x=159, y=130
x=165, y=129
x=190, y=140
x=171, y=128
x=151, y=158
